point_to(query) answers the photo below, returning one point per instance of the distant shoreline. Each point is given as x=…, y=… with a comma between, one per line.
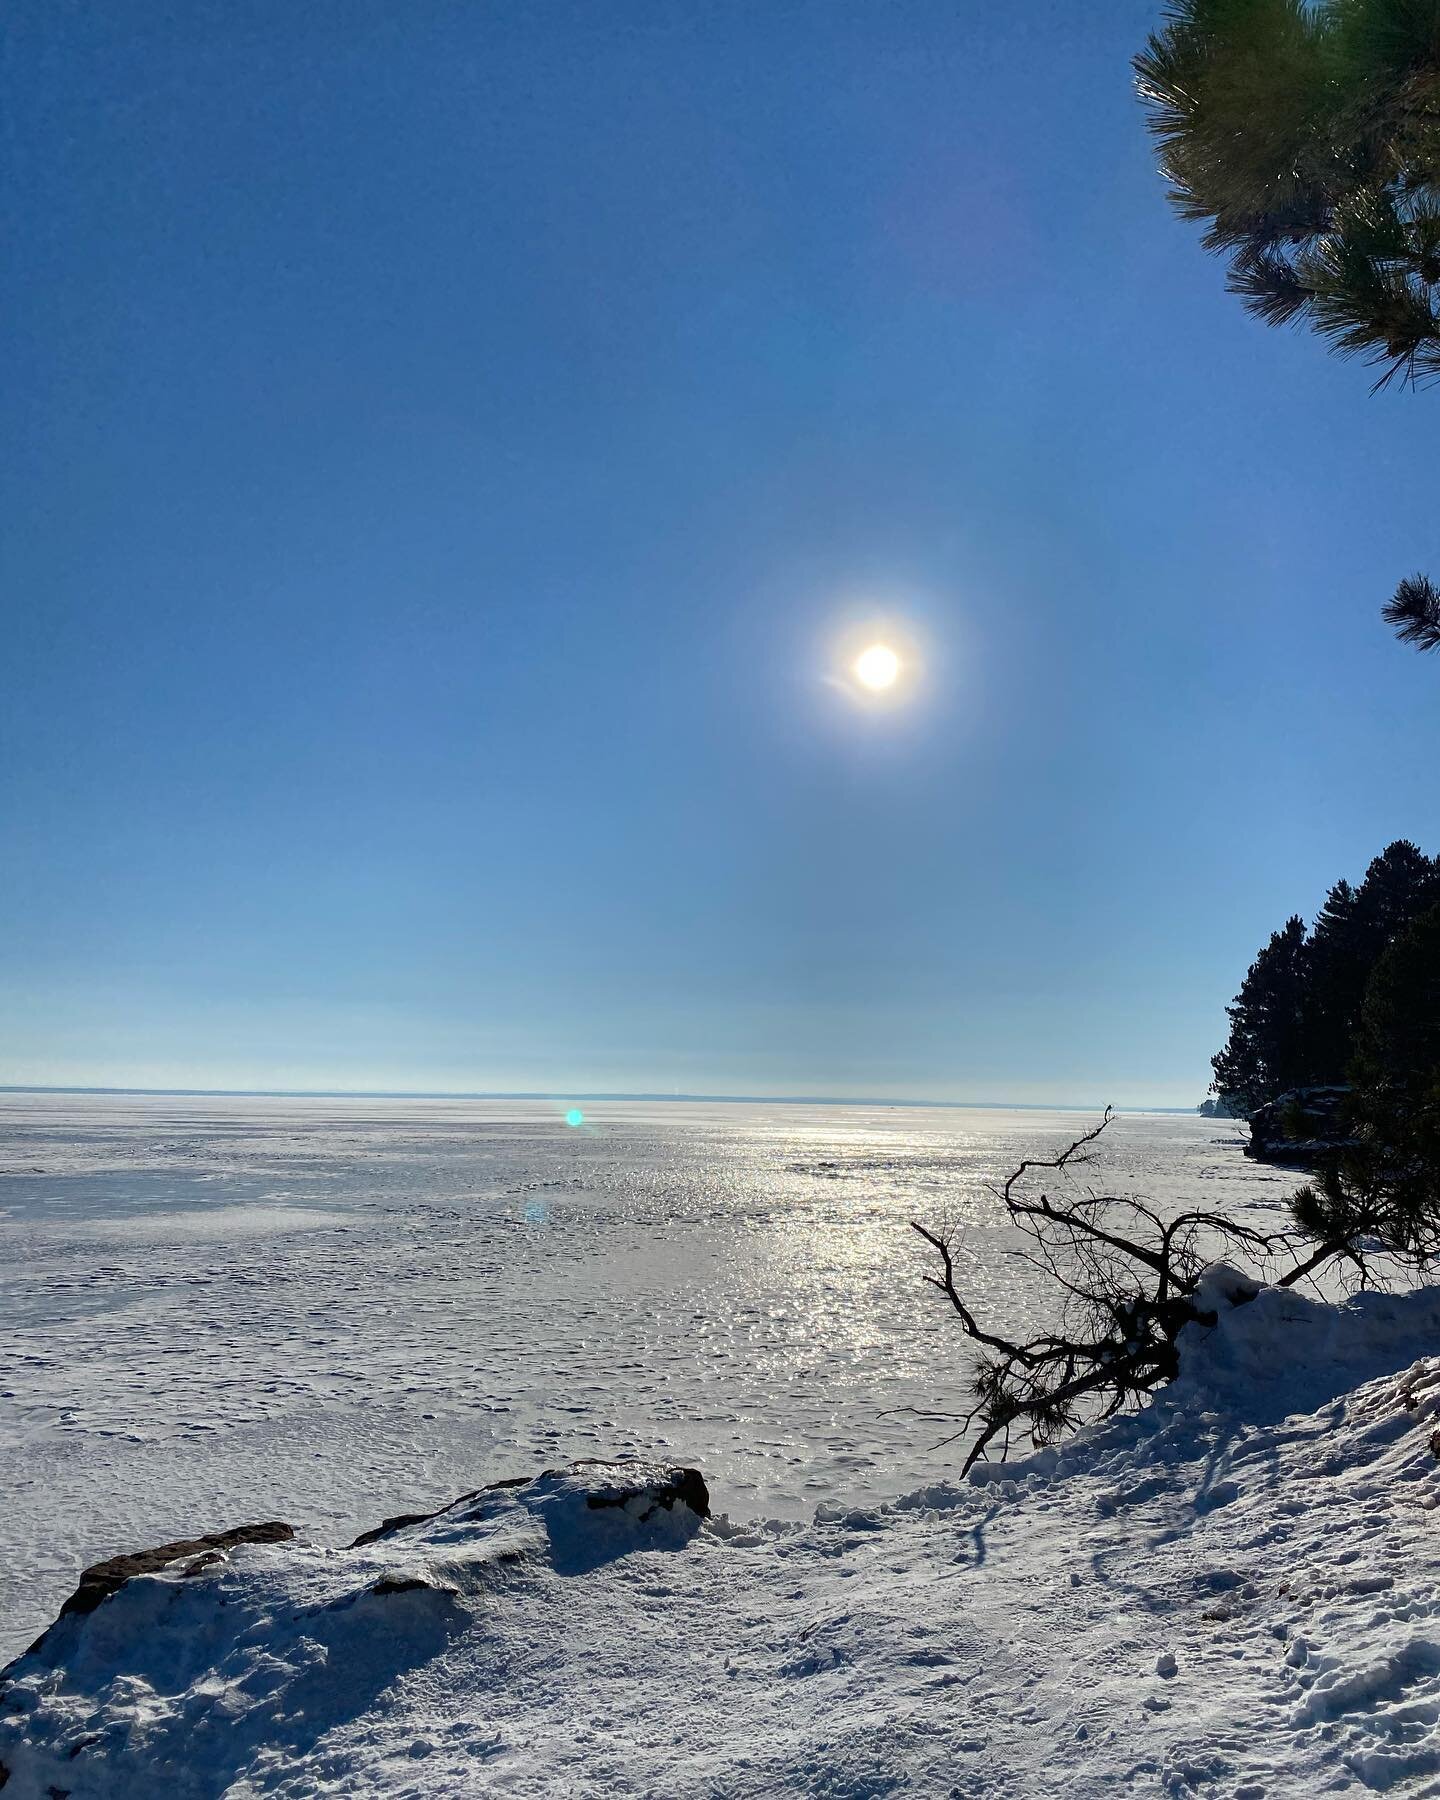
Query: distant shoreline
x=555, y=1094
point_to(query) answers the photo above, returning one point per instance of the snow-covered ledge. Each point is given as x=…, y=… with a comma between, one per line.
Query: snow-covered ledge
x=1234, y=1593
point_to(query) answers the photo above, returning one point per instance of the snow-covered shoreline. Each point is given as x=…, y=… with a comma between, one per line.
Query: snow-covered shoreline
x=1235, y=1593
x=216, y=1311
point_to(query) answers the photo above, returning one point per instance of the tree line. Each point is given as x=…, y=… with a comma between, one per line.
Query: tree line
x=1316, y=1006
x=1354, y=1002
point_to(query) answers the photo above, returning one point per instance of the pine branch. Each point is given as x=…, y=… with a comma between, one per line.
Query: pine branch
x=1266, y=281
x=1414, y=612
x=1305, y=138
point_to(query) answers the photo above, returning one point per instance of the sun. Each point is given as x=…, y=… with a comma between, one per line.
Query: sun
x=877, y=663
x=877, y=667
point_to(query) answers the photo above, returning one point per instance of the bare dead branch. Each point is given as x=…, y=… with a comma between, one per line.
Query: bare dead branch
x=1127, y=1281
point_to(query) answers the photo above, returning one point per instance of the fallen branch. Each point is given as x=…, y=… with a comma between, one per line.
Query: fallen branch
x=1129, y=1281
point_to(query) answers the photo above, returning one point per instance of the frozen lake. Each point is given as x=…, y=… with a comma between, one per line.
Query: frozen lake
x=220, y=1310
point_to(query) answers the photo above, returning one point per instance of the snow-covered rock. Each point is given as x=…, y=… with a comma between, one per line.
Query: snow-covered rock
x=1301, y=1127
x=1235, y=1594
x=102, y=1579
x=177, y=1668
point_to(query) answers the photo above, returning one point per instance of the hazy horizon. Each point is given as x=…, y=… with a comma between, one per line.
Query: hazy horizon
x=560, y=1097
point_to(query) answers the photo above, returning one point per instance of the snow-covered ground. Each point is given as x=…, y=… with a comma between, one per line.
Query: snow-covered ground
x=1235, y=1594
x=329, y=1311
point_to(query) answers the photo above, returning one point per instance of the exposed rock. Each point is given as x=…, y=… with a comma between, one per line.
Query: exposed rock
x=1302, y=1127
x=387, y=1526
x=401, y=1584
x=1217, y=1107
x=661, y=1487
x=101, y=1579
x=687, y=1486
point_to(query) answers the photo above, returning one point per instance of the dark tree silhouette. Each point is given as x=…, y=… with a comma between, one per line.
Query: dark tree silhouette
x=1385, y=1188
x=1265, y=1053
x=1414, y=611
x=1295, y=1021
x=1351, y=932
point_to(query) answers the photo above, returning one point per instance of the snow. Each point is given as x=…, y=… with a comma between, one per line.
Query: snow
x=224, y=1309
x=1235, y=1593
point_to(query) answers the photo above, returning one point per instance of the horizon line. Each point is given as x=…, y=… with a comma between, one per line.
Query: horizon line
x=556, y=1094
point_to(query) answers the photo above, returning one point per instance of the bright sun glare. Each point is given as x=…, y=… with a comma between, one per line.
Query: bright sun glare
x=877, y=667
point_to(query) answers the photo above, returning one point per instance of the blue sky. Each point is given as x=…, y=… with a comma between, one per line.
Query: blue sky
x=444, y=447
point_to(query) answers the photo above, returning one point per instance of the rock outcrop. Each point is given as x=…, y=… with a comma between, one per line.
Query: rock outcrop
x=641, y=1491
x=103, y=1579
x=636, y=1483
x=1301, y=1128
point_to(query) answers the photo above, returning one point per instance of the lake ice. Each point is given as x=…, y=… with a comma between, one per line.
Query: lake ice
x=220, y=1310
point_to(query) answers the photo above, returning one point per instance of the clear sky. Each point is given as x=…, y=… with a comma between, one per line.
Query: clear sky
x=443, y=447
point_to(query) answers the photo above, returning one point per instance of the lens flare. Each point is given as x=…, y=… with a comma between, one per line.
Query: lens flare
x=574, y=1117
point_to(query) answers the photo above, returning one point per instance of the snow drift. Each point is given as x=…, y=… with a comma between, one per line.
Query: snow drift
x=1235, y=1594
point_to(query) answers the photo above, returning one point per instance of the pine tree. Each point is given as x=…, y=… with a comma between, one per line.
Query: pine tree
x=1350, y=934
x=1296, y=1020
x=1265, y=1052
x=1414, y=611
x=1397, y=1052
x=1307, y=137
x=1400, y=884
x=1387, y=1188
x=1337, y=972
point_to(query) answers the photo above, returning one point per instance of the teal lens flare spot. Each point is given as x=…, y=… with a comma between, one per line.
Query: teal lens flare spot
x=574, y=1116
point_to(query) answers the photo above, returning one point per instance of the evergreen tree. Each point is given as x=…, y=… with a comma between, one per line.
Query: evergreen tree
x=1265, y=1052
x=1351, y=932
x=1296, y=1019
x=1387, y=1188
x=1336, y=985
x=1400, y=884
x=1397, y=1057
x=1414, y=611
x=1306, y=134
